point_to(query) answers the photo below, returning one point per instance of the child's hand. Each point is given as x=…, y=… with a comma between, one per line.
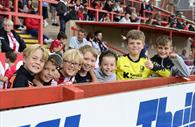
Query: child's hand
x=149, y=64
x=123, y=37
x=173, y=55
x=56, y=75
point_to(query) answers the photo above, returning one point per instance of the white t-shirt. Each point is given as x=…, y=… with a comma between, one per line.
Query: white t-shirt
x=75, y=44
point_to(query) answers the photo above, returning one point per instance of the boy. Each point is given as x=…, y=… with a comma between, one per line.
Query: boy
x=34, y=59
x=50, y=71
x=86, y=73
x=167, y=62
x=72, y=61
x=133, y=65
x=10, y=59
x=59, y=45
x=193, y=56
x=107, y=65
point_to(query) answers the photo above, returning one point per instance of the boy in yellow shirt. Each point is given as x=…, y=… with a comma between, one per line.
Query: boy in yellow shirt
x=133, y=65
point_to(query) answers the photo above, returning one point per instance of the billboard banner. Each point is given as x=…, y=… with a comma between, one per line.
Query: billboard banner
x=168, y=106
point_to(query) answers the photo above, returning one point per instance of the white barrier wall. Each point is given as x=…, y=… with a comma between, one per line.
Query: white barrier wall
x=170, y=106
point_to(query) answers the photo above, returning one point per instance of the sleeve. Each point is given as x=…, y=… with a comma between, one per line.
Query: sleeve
x=9, y=73
x=161, y=71
x=20, y=81
x=180, y=68
x=72, y=43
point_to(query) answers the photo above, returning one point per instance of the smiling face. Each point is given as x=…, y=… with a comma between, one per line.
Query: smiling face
x=108, y=65
x=89, y=61
x=8, y=25
x=164, y=51
x=70, y=68
x=135, y=47
x=34, y=62
x=47, y=74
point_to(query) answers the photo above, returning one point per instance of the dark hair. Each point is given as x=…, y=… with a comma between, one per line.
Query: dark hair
x=163, y=40
x=107, y=53
x=97, y=32
x=61, y=35
x=89, y=36
x=11, y=55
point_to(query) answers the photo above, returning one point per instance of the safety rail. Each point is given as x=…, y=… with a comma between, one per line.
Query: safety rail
x=22, y=97
x=161, y=29
x=16, y=14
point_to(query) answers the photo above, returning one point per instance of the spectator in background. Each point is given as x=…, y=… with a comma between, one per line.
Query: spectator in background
x=4, y=6
x=53, y=11
x=107, y=18
x=63, y=38
x=62, y=11
x=143, y=8
x=125, y=19
x=11, y=41
x=45, y=6
x=118, y=8
x=10, y=59
x=149, y=8
x=193, y=56
x=78, y=41
x=98, y=43
x=32, y=27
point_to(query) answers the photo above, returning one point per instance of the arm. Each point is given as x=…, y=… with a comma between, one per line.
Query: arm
x=93, y=76
x=160, y=70
x=180, y=68
x=3, y=78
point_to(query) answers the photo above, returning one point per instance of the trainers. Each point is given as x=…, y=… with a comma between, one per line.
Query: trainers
x=47, y=41
x=21, y=27
x=46, y=24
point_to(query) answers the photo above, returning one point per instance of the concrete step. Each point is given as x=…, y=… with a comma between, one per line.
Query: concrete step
x=28, y=36
x=31, y=41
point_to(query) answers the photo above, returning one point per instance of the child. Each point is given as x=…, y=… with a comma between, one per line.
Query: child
x=86, y=73
x=72, y=61
x=193, y=56
x=34, y=59
x=50, y=71
x=167, y=61
x=134, y=65
x=63, y=38
x=59, y=45
x=107, y=65
x=10, y=59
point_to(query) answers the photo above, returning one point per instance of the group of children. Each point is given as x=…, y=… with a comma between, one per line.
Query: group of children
x=78, y=65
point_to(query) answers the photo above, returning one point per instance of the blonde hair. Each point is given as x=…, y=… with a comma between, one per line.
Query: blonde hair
x=8, y=21
x=31, y=49
x=88, y=48
x=73, y=55
x=136, y=35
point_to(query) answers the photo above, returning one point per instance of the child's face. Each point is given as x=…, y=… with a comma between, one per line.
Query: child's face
x=89, y=61
x=163, y=51
x=64, y=42
x=108, y=65
x=135, y=46
x=34, y=62
x=70, y=68
x=47, y=74
x=57, y=49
